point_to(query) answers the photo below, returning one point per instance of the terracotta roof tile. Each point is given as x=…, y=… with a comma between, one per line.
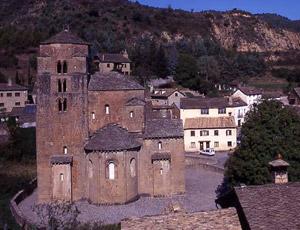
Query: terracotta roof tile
x=12, y=87
x=112, y=82
x=206, y=103
x=209, y=123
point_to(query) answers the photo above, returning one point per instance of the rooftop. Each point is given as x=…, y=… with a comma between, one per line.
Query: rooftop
x=209, y=123
x=163, y=128
x=112, y=137
x=112, y=81
x=271, y=205
x=135, y=102
x=297, y=91
x=211, y=220
x=248, y=90
x=206, y=103
x=65, y=37
x=114, y=58
x=25, y=114
x=164, y=93
x=12, y=87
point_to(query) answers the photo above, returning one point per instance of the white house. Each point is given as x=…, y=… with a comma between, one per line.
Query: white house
x=201, y=133
x=249, y=95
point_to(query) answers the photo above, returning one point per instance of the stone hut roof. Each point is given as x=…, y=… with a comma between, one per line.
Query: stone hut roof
x=271, y=206
x=113, y=58
x=112, y=82
x=65, y=37
x=209, y=123
x=12, y=87
x=211, y=220
x=112, y=137
x=206, y=103
x=163, y=128
x=61, y=159
x=135, y=102
x=248, y=90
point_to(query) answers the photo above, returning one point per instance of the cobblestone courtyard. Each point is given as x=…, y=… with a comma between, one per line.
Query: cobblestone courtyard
x=200, y=195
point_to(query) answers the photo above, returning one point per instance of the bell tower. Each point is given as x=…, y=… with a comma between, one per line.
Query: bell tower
x=62, y=125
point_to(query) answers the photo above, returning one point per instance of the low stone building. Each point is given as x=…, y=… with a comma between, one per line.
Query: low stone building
x=201, y=133
x=94, y=140
x=225, y=219
x=12, y=95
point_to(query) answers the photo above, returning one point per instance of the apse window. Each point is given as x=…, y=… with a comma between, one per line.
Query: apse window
x=107, y=109
x=93, y=116
x=133, y=167
x=111, y=171
x=65, y=150
x=61, y=177
x=131, y=114
x=159, y=145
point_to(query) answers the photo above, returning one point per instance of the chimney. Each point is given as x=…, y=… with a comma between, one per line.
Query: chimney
x=230, y=101
x=278, y=169
x=9, y=83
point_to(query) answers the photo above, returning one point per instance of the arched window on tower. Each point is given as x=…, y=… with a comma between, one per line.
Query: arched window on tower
x=59, y=85
x=133, y=167
x=159, y=145
x=65, y=150
x=90, y=169
x=65, y=67
x=65, y=105
x=64, y=85
x=58, y=67
x=60, y=105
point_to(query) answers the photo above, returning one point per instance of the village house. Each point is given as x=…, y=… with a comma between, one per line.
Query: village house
x=249, y=95
x=213, y=107
x=12, y=95
x=168, y=96
x=108, y=62
x=94, y=140
x=201, y=133
x=294, y=97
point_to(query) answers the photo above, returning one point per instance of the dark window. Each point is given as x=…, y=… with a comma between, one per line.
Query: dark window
x=9, y=94
x=18, y=103
x=108, y=65
x=192, y=133
x=222, y=110
x=216, y=132
x=65, y=105
x=176, y=94
x=1, y=104
x=58, y=67
x=59, y=85
x=59, y=105
x=204, y=111
x=204, y=133
x=65, y=67
x=17, y=94
x=1, y=94
x=229, y=143
x=65, y=85
x=107, y=111
x=228, y=133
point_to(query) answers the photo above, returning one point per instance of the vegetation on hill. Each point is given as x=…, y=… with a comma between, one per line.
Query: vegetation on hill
x=270, y=129
x=155, y=38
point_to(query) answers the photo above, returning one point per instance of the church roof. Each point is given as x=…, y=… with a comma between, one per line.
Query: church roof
x=65, y=37
x=163, y=128
x=112, y=137
x=112, y=82
x=135, y=102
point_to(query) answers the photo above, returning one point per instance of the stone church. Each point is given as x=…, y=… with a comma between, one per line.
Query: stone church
x=94, y=138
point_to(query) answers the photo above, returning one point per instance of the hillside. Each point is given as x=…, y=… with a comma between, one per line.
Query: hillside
x=113, y=25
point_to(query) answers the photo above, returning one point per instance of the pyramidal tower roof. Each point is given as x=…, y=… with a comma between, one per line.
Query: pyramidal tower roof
x=65, y=37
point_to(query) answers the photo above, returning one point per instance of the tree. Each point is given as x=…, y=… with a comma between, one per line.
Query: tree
x=269, y=129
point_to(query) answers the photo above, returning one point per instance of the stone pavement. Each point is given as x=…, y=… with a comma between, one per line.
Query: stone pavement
x=200, y=195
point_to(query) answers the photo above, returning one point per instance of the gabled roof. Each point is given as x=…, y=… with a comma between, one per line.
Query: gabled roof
x=209, y=123
x=297, y=91
x=112, y=137
x=163, y=128
x=271, y=206
x=209, y=103
x=12, y=87
x=114, y=58
x=112, y=81
x=165, y=93
x=248, y=90
x=65, y=37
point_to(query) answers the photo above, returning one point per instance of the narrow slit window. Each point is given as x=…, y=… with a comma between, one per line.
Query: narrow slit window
x=59, y=85
x=65, y=105
x=131, y=114
x=93, y=116
x=65, y=67
x=58, y=67
x=59, y=105
x=61, y=177
x=159, y=145
x=111, y=171
x=107, y=109
x=64, y=85
x=65, y=150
